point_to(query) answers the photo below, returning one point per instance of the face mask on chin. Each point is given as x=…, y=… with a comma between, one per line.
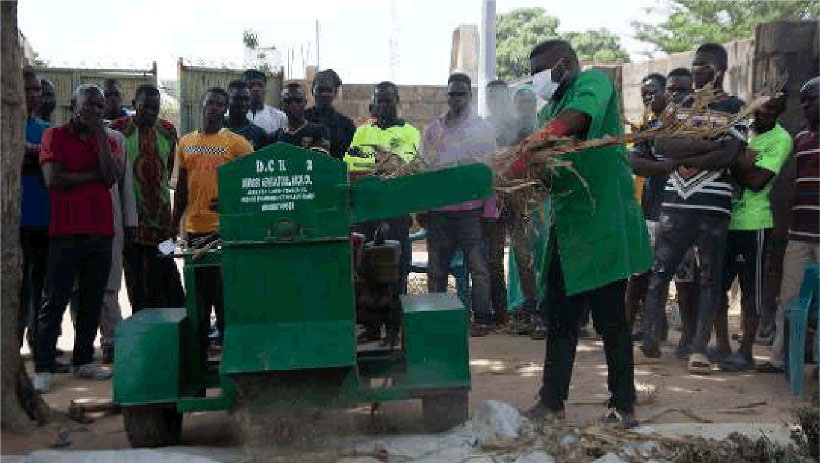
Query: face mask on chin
x=543, y=84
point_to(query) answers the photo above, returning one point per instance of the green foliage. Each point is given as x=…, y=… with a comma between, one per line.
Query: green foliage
x=600, y=46
x=690, y=23
x=518, y=31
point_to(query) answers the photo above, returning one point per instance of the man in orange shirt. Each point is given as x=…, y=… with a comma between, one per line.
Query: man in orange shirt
x=200, y=153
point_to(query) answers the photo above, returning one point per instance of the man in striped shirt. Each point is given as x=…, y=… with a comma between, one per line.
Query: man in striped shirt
x=695, y=210
x=647, y=163
x=804, y=235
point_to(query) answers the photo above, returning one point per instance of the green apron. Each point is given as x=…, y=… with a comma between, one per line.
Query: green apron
x=598, y=224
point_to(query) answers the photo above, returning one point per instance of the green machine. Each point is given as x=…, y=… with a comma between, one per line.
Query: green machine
x=295, y=286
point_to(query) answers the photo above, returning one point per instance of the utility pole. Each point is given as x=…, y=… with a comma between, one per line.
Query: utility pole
x=394, y=42
x=317, y=44
x=486, y=52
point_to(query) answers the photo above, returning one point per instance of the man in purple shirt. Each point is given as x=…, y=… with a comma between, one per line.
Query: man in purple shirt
x=459, y=136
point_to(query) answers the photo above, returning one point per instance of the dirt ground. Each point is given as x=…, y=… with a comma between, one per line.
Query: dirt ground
x=504, y=367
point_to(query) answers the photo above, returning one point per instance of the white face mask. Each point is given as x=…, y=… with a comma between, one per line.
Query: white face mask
x=543, y=85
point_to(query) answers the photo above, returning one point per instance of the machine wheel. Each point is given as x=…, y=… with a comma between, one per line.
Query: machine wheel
x=444, y=410
x=152, y=425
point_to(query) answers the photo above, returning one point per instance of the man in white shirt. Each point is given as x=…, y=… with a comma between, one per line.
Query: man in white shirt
x=265, y=116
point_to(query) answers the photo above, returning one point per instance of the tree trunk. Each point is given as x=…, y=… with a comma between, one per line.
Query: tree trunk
x=19, y=402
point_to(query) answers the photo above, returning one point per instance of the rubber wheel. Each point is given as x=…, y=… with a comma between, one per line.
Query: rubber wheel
x=444, y=410
x=152, y=426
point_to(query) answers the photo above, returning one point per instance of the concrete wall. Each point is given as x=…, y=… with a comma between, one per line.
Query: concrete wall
x=738, y=80
x=417, y=103
x=787, y=48
x=464, y=51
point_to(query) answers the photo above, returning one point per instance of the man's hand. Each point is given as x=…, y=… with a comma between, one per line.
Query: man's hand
x=32, y=156
x=669, y=164
x=521, y=165
x=130, y=235
x=541, y=138
x=747, y=161
x=33, y=148
x=688, y=171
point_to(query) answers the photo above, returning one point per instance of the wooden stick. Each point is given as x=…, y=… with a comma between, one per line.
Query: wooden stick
x=682, y=411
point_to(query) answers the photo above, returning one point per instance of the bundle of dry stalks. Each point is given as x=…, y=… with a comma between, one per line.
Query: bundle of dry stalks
x=695, y=121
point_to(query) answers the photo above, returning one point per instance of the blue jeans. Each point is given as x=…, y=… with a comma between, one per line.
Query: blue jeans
x=34, y=243
x=88, y=259
x=448, y=232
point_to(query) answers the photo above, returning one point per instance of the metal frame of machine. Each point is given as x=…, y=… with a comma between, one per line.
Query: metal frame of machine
x=290, y=304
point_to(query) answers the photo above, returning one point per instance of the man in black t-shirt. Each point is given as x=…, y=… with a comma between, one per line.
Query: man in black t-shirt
x=299, y=131
x=340, y=128
x=695, y=210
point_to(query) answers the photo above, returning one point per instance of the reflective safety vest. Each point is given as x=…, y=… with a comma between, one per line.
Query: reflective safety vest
x=402, y=140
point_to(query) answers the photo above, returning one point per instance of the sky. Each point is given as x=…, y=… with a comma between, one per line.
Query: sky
x=353, y=34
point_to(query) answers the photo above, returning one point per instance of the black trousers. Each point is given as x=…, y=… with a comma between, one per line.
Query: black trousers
x=563, y=318
x=677, y=232
x=34, y=243
x=495, y=234
x=208, y=293
x=88, y=259
x=745, y=250
x=151, y=281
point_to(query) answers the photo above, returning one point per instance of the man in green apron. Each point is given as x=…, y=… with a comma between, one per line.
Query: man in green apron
x=597, y=237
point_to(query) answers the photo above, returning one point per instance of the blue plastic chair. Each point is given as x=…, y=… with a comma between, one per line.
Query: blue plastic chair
x=458, y=269
x=797, y=316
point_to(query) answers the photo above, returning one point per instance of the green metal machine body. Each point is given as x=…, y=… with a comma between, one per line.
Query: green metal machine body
x=290, y=308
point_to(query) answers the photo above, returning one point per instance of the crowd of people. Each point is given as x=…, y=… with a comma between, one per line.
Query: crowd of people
x=97, y=201
x=710, y=218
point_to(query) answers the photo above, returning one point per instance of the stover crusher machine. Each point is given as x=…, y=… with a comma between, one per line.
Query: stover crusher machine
x=295, y=285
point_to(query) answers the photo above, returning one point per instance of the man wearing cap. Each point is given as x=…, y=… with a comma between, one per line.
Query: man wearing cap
x=261, y=114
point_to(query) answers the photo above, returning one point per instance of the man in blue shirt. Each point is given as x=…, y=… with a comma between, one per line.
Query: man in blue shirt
x=34, y=211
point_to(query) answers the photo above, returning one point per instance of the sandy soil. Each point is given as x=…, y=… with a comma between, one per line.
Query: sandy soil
x=504, y=367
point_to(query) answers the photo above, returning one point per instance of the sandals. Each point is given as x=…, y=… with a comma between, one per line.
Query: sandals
x=699, y=364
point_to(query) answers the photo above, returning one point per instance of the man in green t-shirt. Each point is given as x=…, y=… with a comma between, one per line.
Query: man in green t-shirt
x=749, y=227
x=598, y=237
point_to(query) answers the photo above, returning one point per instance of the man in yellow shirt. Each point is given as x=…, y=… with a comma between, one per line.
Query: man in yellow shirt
x=199, y=154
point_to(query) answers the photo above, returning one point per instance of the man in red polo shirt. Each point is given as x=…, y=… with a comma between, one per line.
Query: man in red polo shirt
x=80, y=163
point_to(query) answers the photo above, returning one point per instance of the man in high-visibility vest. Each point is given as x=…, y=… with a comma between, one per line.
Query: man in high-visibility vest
x=385, y=133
